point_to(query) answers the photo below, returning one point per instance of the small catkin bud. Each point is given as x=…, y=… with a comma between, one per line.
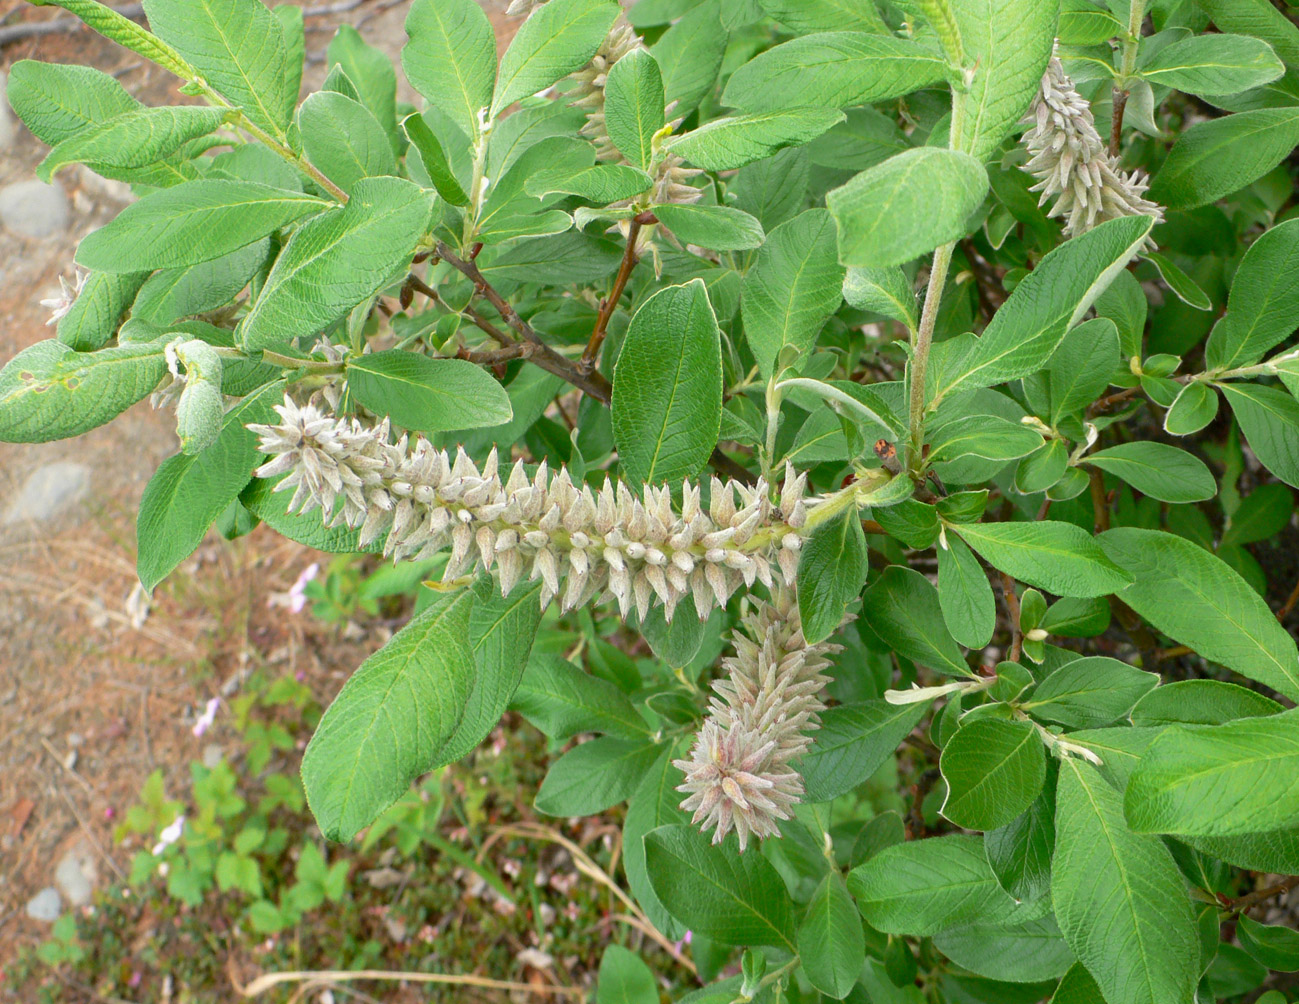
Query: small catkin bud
x=1071, y=162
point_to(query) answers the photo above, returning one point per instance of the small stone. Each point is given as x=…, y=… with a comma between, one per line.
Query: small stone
x=213, y=754
x=45, y=905
x=75, y=739
x=70, y=759
x=48, y=490
x=33, y=208
x=76, y=874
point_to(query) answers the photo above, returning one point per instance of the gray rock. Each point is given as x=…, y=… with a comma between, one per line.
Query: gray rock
x=213, y=754
x=76, y=874
x=45, y=905
x=48, y=491
x=33, y=208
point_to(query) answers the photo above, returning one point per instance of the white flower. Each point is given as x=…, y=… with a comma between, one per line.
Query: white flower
x=206, y=719
x=60, y=305
x=170, y=834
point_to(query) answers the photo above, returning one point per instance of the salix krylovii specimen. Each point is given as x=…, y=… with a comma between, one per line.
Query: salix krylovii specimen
x=580, y=543
x=1071, y=162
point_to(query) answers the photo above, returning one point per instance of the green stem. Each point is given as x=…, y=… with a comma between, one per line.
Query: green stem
x=301, y=163
x=290, y=363
x=920, y=355
x=827, y=391
x=774, y=398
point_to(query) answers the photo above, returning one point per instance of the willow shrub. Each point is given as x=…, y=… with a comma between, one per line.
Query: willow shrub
x=1003, y=524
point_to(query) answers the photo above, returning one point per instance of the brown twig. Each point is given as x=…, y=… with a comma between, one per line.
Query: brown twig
x=1116, y=123
x=610, y=304
x=1244, y=903
x=1012, y=610
x=1100, y=502
x=1290, y=602
x=515, y=350
x=592, y=384
x=1098, y=406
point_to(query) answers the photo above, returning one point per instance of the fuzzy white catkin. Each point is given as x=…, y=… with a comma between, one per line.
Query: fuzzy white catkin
x=1072, y=164
x=739, y=774
x=580, y=543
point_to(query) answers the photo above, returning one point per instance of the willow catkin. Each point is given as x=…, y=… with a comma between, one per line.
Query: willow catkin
x=739, y=774
x=1072, y=164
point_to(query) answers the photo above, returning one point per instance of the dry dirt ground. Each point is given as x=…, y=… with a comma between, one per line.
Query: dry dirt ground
x=89, y=703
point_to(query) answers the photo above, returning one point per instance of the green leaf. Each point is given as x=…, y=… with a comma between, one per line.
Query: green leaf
x=344, y=139
x=922, y=887
x=1082, y=366
x=372, y=73
x=667, y=386
x=1276, y=851
x=98, y=309
x=237, y=45
x=1201, y=702
x=854, y=740
x=1215, y=158
x=624, y=979
x=965, y=595
x=428, y=395
x=189, y=491
x=1019, y=852
x=732, y=898
x=885, y=291
x=718, y=228
x=193, y=222
x=1193, y=408
x=655, y=803
x=1219, y=780
x=451, y=58
x=1023, y=953
x=833, y=69
x=1273, y=946
x=1089, y=692
x=831, y=946
x=192, y=289
x=49, y=391
x=561, y=700
x=434, y=159
x=336, y=260
x=727, y=143
x=1259, y=19
x=690, y=53
x=1269, y=418
x=1213, y=64
x=1186, y=288
x=391, y=719
x=132, y=139
x=791, y=290
x=983, y=436
x=1059, y=557
x=633, y=106
x=603, y=183
x=832, y=570
x=805, y=16
x=290, y=20
x=595, y=776
x=114, y=25
x=1196, y=599
x=903, y=609
x=501, y=632
x=906, y=206
x=1119, y=898
x=994, y=770
x=1262, y=302
x=555, y=40
x=56, y=102
x=1008, y=42
x=1163, y=472
x=1030, y=325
